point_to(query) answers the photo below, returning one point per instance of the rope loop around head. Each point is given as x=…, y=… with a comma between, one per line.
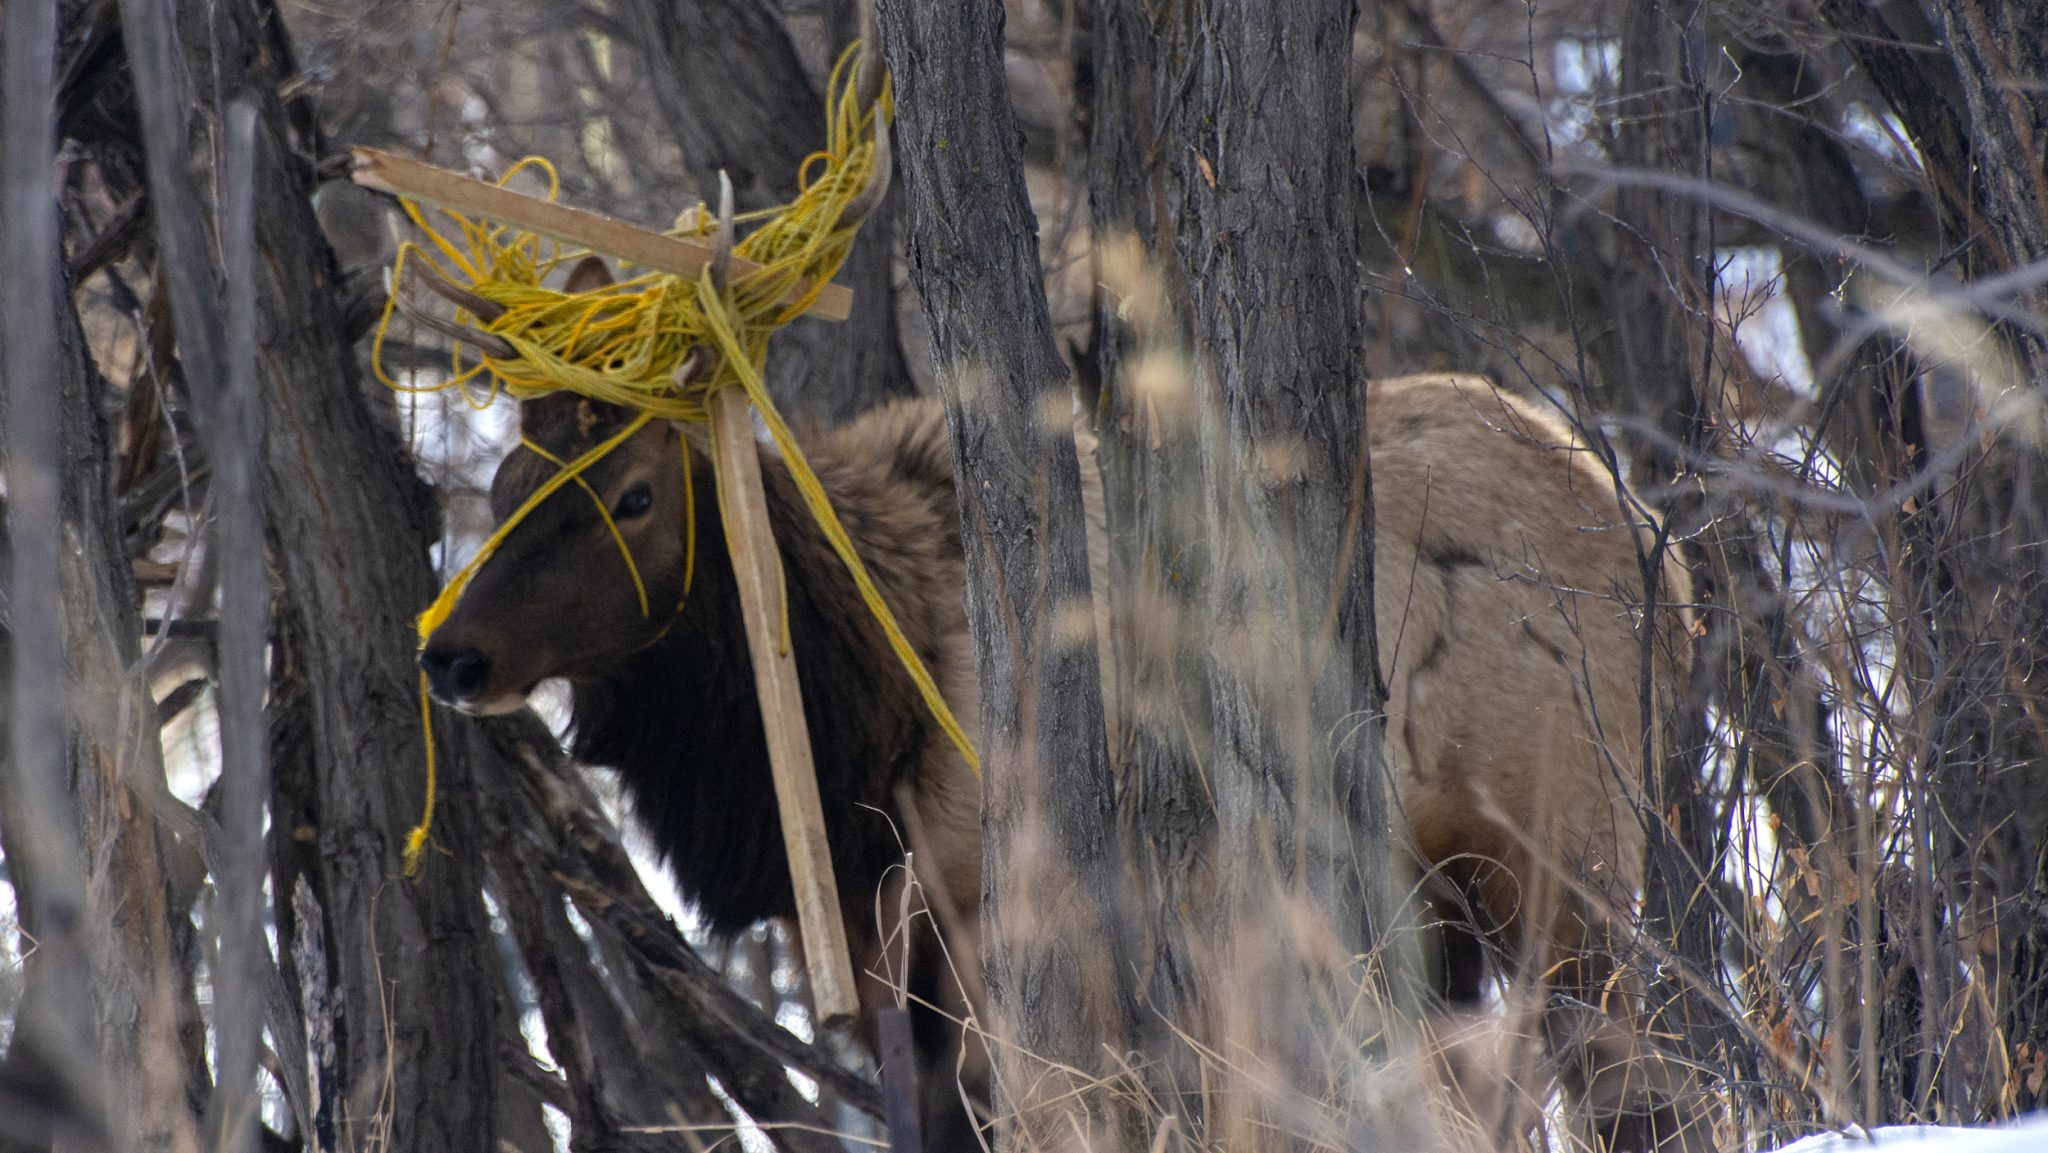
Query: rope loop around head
x=629, y=343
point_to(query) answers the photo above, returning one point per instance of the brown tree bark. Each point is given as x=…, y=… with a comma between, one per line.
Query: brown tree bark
x=113, y=765
x=413, y=969
x=1055, y=959
x=1658, y=361
x=96, y=1036
x=1986, y=584
x=1972, y=575
x=1240, y=522
x=634, y=1043
x=52, y=1060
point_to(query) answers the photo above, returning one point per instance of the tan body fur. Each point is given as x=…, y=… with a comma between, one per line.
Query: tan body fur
x=1508, y=592
x=1509, y=606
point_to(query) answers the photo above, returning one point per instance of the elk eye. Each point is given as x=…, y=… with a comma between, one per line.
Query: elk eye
x=633, y=502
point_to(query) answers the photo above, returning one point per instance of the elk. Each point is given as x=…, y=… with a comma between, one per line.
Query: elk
x=667, y=697
x=1510, y=611
x=1509, y=595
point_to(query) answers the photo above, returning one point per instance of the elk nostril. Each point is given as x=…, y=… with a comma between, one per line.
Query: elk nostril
x=455, y=675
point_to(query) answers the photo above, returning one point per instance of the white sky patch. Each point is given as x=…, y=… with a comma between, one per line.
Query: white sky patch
x=752, y=1139
x=191, y=744
x=1750, y=284
x=1571, y=121
x=1880, y=132
x=459, y=446
x=558, y=1126
x=1577, y=67
x=1514, y=231
x=10, y=967
x=478, y=149
x=792, y=1017
x=459, y=434
x=1581, y=71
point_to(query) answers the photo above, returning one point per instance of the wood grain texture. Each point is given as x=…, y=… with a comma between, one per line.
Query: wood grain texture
x=750, y=539
x=676, y=255
x=413, y=970
x=1992, y=645
x=1221, y=176
x=1054, y=944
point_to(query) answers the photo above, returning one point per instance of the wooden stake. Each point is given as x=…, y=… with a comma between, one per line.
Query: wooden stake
x=751, y=541
x=679, y=255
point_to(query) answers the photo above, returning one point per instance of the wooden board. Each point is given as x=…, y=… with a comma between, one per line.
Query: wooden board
x=681, y=256
x=758, y=567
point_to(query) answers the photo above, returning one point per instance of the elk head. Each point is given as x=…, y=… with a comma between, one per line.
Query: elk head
x=557, y=598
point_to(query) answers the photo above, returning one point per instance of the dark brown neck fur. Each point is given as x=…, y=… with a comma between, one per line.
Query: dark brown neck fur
x=680, y=722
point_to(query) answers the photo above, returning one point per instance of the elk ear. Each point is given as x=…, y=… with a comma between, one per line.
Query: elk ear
x=588, y=274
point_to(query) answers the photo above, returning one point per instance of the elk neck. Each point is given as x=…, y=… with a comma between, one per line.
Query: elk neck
x=681, y=723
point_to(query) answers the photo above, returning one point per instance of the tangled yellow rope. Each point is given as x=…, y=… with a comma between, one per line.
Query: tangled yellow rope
x=624, y=344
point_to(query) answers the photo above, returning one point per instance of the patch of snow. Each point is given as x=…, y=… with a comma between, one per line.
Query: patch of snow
x=2030, y=1135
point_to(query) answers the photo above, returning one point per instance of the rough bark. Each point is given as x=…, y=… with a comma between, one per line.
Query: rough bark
x=411, y=963
x=735, y=97
x=2002, y=58
x=414, y=953
x=1659, y=361
x=1971, y=574
x=616, y=1075
x=85, y=859
x=1987, y=586
x=1055, y=963
x=116, y=761
x=52, y=1055
x=1917, y=80
x=1662, y=284
x=1240, y=521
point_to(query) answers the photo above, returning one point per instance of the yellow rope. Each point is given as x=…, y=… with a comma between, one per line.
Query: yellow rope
x=416, y=840
x=623, y=344
x=445, y=603
x=605, y=514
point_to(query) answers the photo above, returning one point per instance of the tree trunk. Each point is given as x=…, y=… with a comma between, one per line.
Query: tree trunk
x=1240, y=522
x=84, y=854
x=52, y=1061
x=1055, y=962
x=413, y=969
x=1659, y=364
x=1972, y=573
x=354, y=523
x=1987, y=587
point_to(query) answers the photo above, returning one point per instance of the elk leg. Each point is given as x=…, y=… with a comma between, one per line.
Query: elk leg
x=1455, y=944
x=1628, y=1094
x=907, y=955
x=1498, y=1078
x=1631, y=1097
x=953, y=1069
